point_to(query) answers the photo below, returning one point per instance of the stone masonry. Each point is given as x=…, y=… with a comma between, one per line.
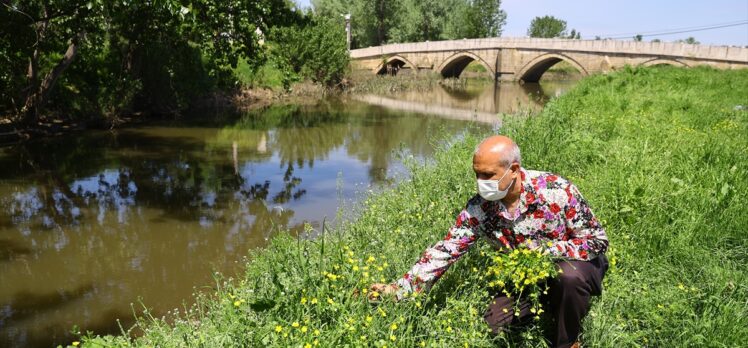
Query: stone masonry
x=526, y=59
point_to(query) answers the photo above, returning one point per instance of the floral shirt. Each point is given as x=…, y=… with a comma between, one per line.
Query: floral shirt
x=551, y=214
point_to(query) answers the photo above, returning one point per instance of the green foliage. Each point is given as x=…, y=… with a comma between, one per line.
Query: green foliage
x=547, y=27
x=522, y=273
x=658, y=152
x=475, y=19
x=152, y=56
x=421, y=20
x=266, y=76
x=316, y=50
x=638, y=37
x=689, y=40
x=385, y=21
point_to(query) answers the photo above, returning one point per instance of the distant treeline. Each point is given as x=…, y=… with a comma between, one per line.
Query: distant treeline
x=387, y=21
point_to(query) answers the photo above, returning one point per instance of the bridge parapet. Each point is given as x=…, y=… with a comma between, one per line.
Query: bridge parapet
x=724, y=53
x=527, y=58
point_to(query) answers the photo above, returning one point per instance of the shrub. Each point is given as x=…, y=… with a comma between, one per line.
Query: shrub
x=315, y=50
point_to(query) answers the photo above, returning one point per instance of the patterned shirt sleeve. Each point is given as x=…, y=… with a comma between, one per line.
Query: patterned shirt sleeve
x=437, y=259
x=584, y=236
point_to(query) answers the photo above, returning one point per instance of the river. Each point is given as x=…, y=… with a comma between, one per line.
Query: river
x=95, y=224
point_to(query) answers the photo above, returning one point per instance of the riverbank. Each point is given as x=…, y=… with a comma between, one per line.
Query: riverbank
x=660, y=155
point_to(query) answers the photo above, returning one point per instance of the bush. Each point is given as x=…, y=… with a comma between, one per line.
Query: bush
x=315, y=50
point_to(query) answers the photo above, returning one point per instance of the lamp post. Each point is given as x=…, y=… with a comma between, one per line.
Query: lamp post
x=347, y=17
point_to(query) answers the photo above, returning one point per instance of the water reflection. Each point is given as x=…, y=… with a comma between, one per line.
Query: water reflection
x=93, y=222
x=477, y=100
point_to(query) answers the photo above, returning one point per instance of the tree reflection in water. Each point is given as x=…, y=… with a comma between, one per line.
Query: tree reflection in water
x=92, y=222
x=103, y=219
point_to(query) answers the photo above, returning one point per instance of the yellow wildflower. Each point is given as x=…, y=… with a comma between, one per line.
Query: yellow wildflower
x=278, y=328
x=295, y=324
x=304, y=329
x=76, y=343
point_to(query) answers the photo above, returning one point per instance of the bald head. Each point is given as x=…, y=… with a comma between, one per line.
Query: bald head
x=497, y=149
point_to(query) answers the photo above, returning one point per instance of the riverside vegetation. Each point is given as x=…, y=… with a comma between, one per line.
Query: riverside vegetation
x=660, y=153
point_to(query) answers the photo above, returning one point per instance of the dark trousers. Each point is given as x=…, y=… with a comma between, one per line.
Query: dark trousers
x=568, y=301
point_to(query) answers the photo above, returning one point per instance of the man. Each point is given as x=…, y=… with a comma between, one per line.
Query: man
x=517, y=206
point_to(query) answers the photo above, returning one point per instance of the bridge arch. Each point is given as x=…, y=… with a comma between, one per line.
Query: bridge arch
x=533, y=70
x=664, y=61
x=456, y=63
x=394, y=64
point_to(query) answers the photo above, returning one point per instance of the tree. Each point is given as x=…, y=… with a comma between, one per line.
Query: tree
x=689, y=40
x=475, y=19
x=382, y=21
x=420, y=21
x=316, y=50
x=371, y=21
x=575, y=35
x=638, y=37
x=547, y=27
x=110, y=55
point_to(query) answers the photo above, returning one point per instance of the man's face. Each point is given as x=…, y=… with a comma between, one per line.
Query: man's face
x=487, y=167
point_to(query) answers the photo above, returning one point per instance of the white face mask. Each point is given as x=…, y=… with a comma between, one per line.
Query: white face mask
x=489, y=189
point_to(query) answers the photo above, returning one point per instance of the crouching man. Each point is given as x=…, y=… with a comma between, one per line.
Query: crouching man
x=518, y=206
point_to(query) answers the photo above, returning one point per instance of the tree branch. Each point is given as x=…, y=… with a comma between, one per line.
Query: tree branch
x=38, y=99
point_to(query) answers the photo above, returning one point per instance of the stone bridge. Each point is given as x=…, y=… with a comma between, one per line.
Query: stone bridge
x=526, y=59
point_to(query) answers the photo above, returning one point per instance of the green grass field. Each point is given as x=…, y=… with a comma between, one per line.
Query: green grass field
x=661, y=155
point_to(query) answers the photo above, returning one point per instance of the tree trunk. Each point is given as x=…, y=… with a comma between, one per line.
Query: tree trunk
x=38, y=98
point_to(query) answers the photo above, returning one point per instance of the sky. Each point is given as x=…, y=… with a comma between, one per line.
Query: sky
x=627, y=18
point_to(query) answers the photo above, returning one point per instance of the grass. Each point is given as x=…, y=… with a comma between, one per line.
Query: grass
x=562, y=71
x=659, y=153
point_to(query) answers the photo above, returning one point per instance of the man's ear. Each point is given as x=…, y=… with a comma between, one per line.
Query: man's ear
x=515, y=167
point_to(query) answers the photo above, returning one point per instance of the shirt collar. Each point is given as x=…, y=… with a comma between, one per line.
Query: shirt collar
x=527, y=197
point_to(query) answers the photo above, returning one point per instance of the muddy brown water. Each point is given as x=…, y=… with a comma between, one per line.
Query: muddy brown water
x=95, y=224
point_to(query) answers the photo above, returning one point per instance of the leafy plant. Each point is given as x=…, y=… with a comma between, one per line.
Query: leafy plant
x=316, y=50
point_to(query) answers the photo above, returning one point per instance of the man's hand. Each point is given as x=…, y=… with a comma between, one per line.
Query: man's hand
x=378, y=290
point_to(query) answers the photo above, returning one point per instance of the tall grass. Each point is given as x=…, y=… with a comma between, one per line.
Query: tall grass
x=659, y=153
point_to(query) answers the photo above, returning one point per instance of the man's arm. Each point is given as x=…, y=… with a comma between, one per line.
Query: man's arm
x=437, y=259
x=586, y=237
